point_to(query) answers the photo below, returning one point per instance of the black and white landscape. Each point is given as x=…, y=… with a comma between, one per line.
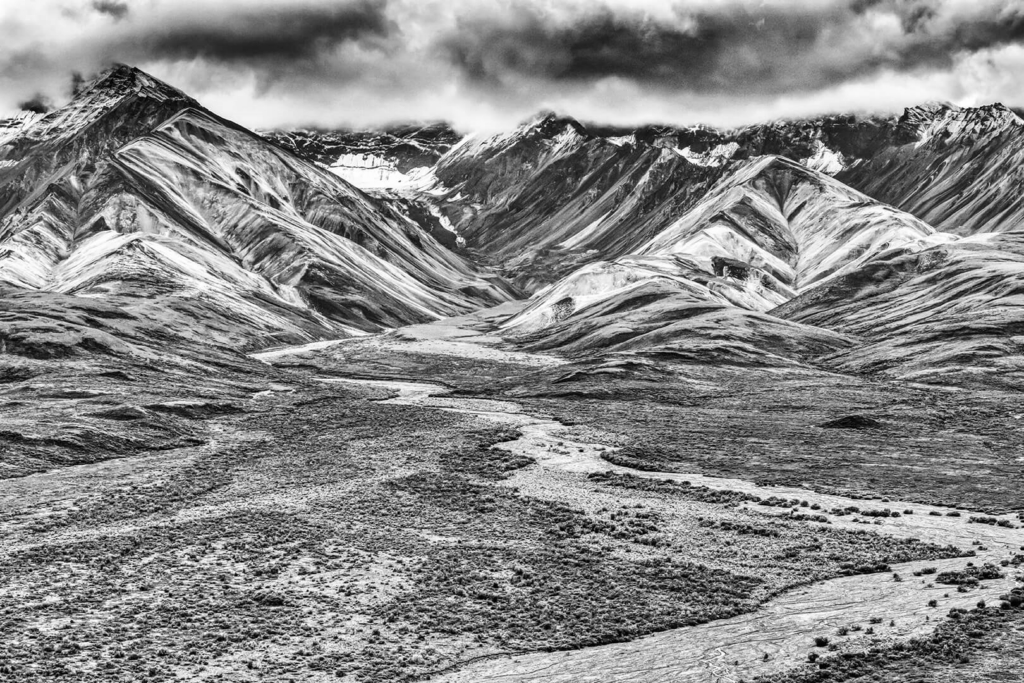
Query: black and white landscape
x=574, y=399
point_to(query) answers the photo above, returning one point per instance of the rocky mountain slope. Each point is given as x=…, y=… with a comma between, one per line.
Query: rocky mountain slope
x=957, y=168
x=767, y=231
x=133, y=190
x=135, y=193
x=551, y=195
x=637, y=239
x=952, y=314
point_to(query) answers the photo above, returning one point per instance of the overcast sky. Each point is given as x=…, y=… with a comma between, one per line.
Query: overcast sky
x=487, y=64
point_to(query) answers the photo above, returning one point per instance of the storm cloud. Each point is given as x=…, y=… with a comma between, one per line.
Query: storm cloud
x=115, y=8
x=287, y=32
x=38, y=104
x=768, y=49
x=488, y=63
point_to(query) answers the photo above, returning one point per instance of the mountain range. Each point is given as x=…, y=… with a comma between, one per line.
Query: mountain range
x=660, y=238
x=858, y=244
x=136, y=195
x=568, y=402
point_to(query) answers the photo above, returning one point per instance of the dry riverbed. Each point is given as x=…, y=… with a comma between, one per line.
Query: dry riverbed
x=779, y=635
x=403, y=506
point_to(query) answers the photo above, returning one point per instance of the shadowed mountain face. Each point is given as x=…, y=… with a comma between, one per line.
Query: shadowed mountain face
x=136, y=193
x=551, y=195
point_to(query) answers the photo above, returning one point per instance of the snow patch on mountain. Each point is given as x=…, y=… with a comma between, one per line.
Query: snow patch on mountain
x=622, y=140
x=372, y=172
x=12, y=127
x=715, y=156
x=825, y=160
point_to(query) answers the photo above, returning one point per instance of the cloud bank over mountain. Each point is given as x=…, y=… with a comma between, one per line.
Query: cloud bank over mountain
x=490, y=63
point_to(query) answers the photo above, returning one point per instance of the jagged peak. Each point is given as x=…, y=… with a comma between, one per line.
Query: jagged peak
x=122, y=80
x=928, y=111
x=772, y=163
x=998, y=110
x=546, y=125
x=550, y=124
x=924, y=122
x=95, y=101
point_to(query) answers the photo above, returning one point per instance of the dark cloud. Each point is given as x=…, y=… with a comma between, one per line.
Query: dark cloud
x=287, y=32
x=118, y=10
x=39, y=104
x=77, y=82
x=787, y=48
x=492, y=62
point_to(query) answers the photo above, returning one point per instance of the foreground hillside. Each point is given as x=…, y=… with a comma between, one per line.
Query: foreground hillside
x=318, y=532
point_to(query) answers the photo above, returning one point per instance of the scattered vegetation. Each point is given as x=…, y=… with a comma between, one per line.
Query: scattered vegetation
x=970, y=576
x=953, y=643
x=992, y=521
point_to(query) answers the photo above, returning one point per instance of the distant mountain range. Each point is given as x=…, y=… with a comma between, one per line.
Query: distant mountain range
x=883, y=244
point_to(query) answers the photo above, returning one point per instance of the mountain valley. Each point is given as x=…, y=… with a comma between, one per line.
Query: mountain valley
x=566, y=403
